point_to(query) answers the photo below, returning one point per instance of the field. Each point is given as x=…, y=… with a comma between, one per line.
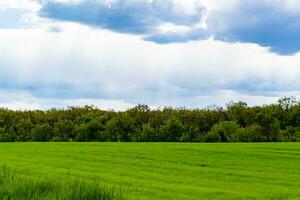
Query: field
x=166, y=170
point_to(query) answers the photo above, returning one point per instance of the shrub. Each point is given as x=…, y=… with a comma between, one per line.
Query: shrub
x=147, y=134
x=63, y=129
x=172, y=130
x=213, y=137
x=290, y=134
x=121, y=128
x=56, y=139
x=226, y=130
x=42, y=133
x=251, y=133
x=5, y=137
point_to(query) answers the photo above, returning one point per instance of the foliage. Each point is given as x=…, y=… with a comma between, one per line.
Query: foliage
x=251, y=133
x=171, y=130
x=236, y=122
x=225, y=131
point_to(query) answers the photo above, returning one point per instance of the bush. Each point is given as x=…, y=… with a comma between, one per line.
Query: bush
x=42, y=133
x=121, y=128
x=297, y=136
x=63, y=129
x=147, y=134
x=227, y=131
x=172, y=130
x=268, y=123
x=252, y=133
x=56, y=139
x=5, y=137
x=191, y=134
x=291, y=134
x=213, y=137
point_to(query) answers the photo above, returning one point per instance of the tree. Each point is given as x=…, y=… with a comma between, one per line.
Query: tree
x=23, y=129
x=238, y=122
x=213, y=137
x=287, y=102
x=140, y=115
x=91, y=130
x=270, y=126
x=251, y=133
x=227, y=131
x=236, y=112
x=172, y=130
x=148, y=134
x=5, y=136
x=121, y=128
x=42, y=133
x=191, y=134
x=63, y=129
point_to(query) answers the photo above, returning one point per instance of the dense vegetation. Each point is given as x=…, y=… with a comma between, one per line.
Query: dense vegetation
x=235, y=123
x=16, y=187
x=160, y=171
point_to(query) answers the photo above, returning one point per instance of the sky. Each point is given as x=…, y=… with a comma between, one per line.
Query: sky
x=115, y=54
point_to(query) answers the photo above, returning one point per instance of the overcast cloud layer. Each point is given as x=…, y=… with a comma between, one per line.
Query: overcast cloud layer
x=115, y=54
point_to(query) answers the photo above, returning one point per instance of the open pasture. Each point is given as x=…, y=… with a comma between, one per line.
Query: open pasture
x=166, y=170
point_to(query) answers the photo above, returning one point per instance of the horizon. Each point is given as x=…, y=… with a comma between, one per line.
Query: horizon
x=291, y=100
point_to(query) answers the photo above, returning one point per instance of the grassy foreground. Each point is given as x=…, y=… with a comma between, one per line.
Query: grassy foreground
x=166, y=170
x=16, y=187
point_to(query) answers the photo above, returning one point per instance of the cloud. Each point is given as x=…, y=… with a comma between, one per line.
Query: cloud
x=55, y=29
x=20, y=4
x=12, y=18
x=163, y=53
x=82, y=64
x=18, y=13
x=126, y=16
x=274, y=24
x=19, y=99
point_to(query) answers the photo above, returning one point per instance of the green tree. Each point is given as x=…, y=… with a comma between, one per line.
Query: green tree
x=23, y=129
x=236, y=112
x=63, y=129
x=121, y=128
x=5, y=136
x=227, y=130
x=42, y=133
x=251, y=133
x=172, y=130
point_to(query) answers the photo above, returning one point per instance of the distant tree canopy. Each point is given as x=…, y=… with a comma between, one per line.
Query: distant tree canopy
x=237, y=122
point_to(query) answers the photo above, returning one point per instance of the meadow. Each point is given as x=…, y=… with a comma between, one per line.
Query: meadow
x=160, y=170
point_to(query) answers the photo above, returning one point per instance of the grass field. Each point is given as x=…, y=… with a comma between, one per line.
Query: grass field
x=166, y=170
x=20, y=187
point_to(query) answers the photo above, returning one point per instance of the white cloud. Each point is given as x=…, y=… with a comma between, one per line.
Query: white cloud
x=80, y=65
x=170, y=27
x=18, y=99
x=20, y=4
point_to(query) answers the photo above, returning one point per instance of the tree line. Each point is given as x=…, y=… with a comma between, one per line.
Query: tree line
x=237, y=122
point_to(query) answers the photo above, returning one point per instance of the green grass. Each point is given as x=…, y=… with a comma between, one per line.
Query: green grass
x=16, y=187
x=166, y=170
